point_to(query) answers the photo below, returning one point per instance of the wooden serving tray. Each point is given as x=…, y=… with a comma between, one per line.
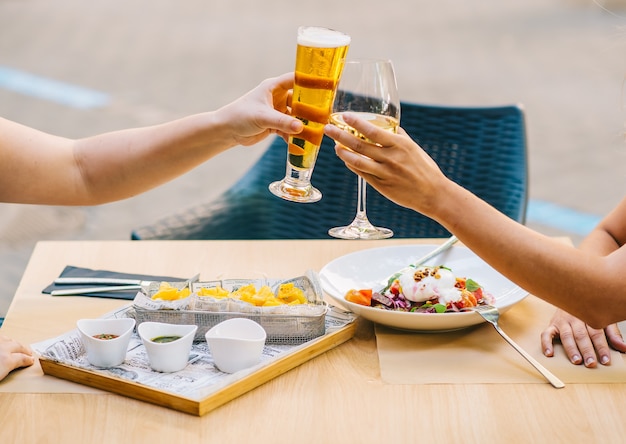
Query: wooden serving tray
x=272, y=369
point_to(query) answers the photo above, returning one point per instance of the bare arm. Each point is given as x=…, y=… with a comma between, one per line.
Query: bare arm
x=590, y=286
x=584, y=344
x=41, y=168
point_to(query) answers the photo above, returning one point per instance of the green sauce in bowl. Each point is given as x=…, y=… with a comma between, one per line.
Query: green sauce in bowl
x=164, y=339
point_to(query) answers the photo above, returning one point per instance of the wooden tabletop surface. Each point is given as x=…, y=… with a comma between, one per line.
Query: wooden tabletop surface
x=335, y=397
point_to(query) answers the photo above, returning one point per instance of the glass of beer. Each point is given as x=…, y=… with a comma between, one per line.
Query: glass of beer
x=319, y=61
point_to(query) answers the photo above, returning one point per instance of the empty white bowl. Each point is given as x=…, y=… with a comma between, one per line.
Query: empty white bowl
x=236, y=344
x=106, y=352
x=167, y=357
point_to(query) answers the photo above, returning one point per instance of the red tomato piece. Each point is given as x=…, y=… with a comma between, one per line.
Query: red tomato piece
x=479, y=294
x=395, y=288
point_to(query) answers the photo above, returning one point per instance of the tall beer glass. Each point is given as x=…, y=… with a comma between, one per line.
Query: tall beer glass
x=319, y=61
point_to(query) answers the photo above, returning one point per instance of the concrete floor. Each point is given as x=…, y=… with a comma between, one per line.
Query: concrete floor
x=157, y=60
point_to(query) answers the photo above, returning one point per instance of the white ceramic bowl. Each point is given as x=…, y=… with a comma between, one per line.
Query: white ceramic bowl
x=106, y=352
x=236, y=344
x=167, y=357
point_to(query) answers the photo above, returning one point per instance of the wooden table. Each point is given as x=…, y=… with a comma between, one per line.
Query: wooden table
x=336, y=397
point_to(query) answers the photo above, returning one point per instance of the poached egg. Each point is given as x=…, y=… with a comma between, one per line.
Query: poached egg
x=426, y=283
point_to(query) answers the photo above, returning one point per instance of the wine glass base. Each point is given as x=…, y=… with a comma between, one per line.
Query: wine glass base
x=285, y=191
x=356, y=232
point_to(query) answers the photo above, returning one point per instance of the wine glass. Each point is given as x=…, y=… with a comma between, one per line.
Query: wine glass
x=366, y=88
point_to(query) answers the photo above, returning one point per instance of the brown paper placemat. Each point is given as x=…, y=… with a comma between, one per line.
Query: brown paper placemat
x=480, y=355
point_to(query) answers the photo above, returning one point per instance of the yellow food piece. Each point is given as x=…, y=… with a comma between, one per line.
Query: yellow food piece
x=169, y=293
x=264, y=297
x=216, y=292
x=290, y=294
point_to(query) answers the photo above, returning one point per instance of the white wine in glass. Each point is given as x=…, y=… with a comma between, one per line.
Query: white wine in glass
x=367, y=89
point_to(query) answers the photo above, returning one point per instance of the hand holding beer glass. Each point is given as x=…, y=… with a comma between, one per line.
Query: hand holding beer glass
x=367, y=88
x=319, y=62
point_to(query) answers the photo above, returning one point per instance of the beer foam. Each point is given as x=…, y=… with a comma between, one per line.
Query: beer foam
x=322, y=37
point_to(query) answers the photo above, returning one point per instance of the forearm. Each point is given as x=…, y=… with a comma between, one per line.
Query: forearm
x=599, y=242
x=124, y=163
x=591, y=286
x=40, y=168
x=583, y=284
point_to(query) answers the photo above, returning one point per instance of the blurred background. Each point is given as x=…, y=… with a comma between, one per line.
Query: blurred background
x=76, y=68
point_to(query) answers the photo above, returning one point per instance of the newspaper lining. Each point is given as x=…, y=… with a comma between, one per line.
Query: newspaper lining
x=199, y=379
x=284, y=323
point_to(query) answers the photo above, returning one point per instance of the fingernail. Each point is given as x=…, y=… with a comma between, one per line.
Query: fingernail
x=576, y=359
x=590, y=361
x=605, y=359
x=547, y=352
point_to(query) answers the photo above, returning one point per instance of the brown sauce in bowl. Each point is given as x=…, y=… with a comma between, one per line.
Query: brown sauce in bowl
x=105, y=336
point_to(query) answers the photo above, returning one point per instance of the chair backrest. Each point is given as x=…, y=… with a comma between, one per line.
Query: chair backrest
x=481, y=148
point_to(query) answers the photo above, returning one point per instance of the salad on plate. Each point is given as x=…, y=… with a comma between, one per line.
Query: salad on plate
x=425, y=289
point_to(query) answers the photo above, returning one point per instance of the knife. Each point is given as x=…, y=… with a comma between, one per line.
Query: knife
x=102, y=289
x=131, y=284
x=98, y=280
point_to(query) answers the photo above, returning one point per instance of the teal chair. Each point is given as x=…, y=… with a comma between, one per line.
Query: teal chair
x=481, y=148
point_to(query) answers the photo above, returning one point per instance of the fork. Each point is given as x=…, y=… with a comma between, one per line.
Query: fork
x=490, y=314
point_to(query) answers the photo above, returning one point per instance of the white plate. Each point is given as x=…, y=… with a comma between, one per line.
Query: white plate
x=370, y=268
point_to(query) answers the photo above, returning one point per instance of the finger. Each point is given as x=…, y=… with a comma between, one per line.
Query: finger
x=587, y=339
x=14, y=361
x=284, y=81
x=600, y=344
x=346, y=139
x=592, y=344
x=354, y=151
x=13, y=355
x=351, y=158
x=12, y=346
x=614, y=336
x=22, y=360
x=280, y=122
x=375, y=134
x=570, y=345
x=357, y=163
x=547, y=339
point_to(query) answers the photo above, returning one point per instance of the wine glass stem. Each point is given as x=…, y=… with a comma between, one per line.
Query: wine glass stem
x=361, y=211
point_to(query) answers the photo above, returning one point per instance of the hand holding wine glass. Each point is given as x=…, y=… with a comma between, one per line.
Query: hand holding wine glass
x=368, y=89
